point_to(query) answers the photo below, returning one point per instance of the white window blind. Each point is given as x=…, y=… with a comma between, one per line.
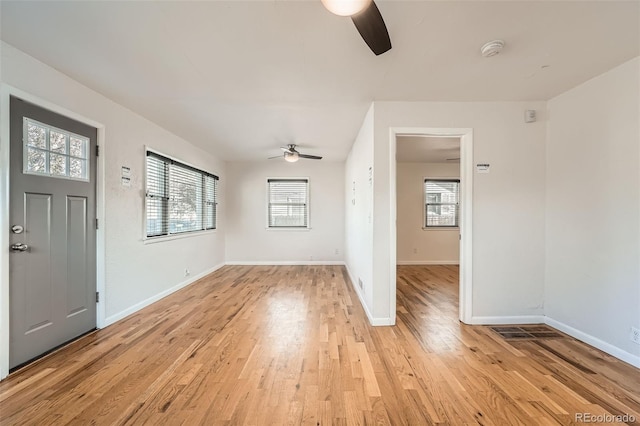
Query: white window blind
x=179, y=198
x=210, y=201
x=442, y=202
x=288, y=203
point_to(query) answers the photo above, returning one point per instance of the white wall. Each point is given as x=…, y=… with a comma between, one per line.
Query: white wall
x=508, y=203
x=359, y=214
x=247, y=238
x=416, y=245
x=134, y=273
x=592, y=275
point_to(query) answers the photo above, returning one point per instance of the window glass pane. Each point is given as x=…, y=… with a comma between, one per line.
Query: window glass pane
x=185, y=195
x=288, y=215
x=36, y=161
x=58, y=164
x=288, y=203
x=36, y=135
x=433, y=198
x=156, y=177
x=77, y=147
x=77, y=168
x=444, y=215
x=179, y=198
x=210, y=202
x=442, y=199
x=57, y=142
x=155, y=217
x=157, y=197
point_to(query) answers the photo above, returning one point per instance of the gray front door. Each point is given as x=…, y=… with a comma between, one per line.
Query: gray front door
x=53, y=222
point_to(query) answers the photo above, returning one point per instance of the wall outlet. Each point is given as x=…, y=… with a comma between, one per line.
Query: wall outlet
x=337, y=251
x=187, y=272
x=635, y=335
x=415, y=251
x=360, y=283
x=310, y=257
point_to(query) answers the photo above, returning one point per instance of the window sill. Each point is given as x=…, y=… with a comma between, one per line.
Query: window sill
x=443, y=228
x=153, y=240
x=280, y=229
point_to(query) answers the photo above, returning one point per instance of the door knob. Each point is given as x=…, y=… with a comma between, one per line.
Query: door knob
x=19, y=247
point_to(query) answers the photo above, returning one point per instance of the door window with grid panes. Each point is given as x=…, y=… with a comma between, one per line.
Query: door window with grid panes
x=53, y=152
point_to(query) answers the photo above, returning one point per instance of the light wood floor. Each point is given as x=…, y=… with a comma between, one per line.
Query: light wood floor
x=291, y=345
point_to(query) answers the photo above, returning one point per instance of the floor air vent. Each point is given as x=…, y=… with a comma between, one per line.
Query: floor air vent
x=527, y=332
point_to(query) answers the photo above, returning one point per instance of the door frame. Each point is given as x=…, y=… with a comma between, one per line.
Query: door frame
x=6, y=91
x=465, y=309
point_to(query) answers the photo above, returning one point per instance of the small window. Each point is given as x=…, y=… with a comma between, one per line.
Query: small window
x=288, y=203
x=179, y=198
x=442, y=203
x=53, y=152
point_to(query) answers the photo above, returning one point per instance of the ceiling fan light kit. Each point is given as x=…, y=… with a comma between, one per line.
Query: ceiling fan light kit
x=291, y=157
x=345, y=7
x=368, y=21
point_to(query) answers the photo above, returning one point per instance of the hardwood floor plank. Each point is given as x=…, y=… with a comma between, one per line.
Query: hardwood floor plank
x=256, y=345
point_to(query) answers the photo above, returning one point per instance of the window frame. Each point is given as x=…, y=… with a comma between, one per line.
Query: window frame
x=202, y=208
x=425, y=205
x=307, y=204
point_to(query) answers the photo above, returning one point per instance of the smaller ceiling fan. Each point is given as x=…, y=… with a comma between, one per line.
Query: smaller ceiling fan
x=292, y=155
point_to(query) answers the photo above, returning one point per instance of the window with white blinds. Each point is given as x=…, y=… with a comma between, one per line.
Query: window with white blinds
x=288, y=203
x=442, y=203
x=179, y=198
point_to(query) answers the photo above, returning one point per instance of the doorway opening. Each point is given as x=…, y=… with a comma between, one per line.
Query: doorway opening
x=431, y=184
x=428, y=243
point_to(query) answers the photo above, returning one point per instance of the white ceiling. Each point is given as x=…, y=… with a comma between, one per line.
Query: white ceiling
x=427, y=149
x=242, y=78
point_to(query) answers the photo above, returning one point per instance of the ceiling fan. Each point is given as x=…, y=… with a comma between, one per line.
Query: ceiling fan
x=367, y=19
x=292, y=155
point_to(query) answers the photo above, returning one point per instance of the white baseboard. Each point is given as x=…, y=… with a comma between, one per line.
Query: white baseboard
x=517, y=319
x=595, y=342
x=283, y=262
x=372, y=320
x=140, y=305
x=427, y=262
x=382, y=322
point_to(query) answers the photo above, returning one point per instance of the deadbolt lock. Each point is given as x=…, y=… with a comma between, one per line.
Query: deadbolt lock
x=17, y=229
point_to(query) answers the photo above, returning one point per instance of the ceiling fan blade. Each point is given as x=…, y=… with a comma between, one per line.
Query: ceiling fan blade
x=310, y=157
x=287, y=149
x=372, y=28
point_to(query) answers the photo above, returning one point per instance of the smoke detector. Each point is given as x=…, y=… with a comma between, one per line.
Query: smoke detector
x=492, y=48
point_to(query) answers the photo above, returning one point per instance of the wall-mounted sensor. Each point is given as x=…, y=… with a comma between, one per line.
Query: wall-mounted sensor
x=530, y=116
